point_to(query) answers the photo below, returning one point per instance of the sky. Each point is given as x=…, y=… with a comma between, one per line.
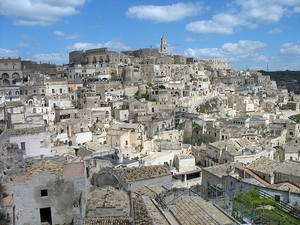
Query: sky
x=250, y=34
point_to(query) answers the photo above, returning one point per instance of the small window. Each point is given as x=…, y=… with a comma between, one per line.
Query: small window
x=42, y=144
x=23, y=147
x=52, y=91
x=44, y=193
x=60, y=90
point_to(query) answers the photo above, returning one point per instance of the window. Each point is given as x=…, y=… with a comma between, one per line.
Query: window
x=43, y=91
x=60, y=90
x=23, y=147
x=126, y=142
x=42, y=144
x=44, y=192
x=21, y=92
x=52, y=91
x=26, y=92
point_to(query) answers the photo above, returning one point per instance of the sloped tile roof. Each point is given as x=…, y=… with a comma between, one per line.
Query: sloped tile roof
x=145, y=172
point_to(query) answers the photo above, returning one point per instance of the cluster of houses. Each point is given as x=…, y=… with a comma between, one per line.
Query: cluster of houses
x=141, y=137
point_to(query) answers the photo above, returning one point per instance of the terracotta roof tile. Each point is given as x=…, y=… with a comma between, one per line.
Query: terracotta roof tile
x=73, y=170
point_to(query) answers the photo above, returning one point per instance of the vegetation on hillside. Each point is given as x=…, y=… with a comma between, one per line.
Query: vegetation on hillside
x=288, y=79
x=264, y=210
x=295, y=118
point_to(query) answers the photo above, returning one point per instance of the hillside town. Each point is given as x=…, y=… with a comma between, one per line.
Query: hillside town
x=143, y=137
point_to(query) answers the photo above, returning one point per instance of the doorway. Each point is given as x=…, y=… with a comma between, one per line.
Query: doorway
x=45, y=215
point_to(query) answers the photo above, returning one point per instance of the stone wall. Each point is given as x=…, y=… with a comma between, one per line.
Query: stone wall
x=165, y=181
x=28, y=199
x=3, y=140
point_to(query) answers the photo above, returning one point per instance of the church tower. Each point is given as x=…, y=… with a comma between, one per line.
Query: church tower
x=163, y=45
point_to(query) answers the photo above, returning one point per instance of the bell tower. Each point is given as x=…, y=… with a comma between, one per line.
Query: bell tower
x=163, y=45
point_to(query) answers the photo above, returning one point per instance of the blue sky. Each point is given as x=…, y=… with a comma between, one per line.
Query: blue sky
x=251, y=34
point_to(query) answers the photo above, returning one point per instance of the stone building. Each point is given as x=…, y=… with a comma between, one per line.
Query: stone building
x=241, y=150
x=184, y=162
x=142, y=53
x=49, y=192
x=179, y=59
x=10, y=71
x=290, y=150
x=109, y=204
x=164, y=45
x=55, y=87
x=217, y=64
x=264, y=168
x=288, y=171
x=135, y=177
x=33, y=141
x=9, y=93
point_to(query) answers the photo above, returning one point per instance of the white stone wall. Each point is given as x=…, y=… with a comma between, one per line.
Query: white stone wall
x=159, y=160
x=83, y=137
x=28, y=199
x=33, y=144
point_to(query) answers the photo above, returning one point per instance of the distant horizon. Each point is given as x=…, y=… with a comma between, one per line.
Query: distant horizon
x=137, y=49
x=250, y=34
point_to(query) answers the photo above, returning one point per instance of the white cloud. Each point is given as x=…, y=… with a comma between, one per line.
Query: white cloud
x=66, y=36
x=5, y=53
x=275, y=31
x=83, y=46
x=241, y=13
x=22, y=44
x=243, y=51
x=114, y=44
x=28, y=38
x=297, y=9
x=190, y=39
x=38, y=12
x=167, y=13
x=57, y=58
x=265, y=13
x=290, y=49
x=242, y=47
x=207, y=27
